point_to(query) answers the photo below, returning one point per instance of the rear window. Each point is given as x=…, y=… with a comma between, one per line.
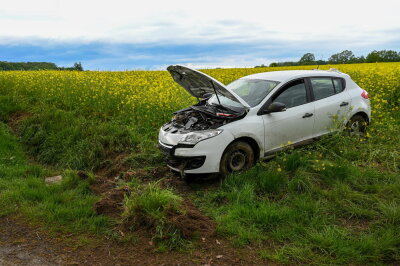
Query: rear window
x=339, y=84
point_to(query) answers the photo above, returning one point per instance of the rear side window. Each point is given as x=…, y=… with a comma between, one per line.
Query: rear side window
x=338, y=83
x=293, y=94
x=322, y=87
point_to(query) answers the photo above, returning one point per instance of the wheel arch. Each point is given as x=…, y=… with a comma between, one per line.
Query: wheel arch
x=363, y=114
x=253, y=144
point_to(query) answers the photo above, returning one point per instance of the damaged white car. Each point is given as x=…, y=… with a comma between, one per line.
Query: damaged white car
x=233, y=126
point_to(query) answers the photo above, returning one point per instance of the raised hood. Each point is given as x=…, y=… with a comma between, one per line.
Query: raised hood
x=198, y=83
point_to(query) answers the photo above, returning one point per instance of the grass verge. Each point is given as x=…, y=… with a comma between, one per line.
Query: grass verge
x=336, y=202
x=63, y=207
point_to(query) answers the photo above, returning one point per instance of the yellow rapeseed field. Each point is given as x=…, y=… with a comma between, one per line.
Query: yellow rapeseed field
x=149, y=97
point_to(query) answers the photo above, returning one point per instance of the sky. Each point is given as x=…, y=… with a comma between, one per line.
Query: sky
x=129, y=34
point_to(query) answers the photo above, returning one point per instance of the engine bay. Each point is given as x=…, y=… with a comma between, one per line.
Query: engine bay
x=201, y=116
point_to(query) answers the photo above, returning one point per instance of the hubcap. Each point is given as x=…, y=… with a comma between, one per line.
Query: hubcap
x=237, y=161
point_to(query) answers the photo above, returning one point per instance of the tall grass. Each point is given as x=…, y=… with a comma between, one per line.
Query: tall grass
x=325, y=203
x=149, y=206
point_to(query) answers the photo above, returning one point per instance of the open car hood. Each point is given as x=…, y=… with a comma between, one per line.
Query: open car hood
x=198, y=83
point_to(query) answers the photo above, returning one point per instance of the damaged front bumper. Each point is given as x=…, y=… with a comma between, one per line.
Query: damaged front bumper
x=204, y=157
x=180, y=163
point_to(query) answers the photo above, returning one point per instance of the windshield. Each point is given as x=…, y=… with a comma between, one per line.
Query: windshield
x=252, y=91
x=224, y=101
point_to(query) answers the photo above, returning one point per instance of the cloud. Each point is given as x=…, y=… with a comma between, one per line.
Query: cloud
x=176, y=21
x=124, y=34
x=123, y=56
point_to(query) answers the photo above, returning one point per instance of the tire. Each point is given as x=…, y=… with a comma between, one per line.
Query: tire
x=357, y=126
x=238, y=156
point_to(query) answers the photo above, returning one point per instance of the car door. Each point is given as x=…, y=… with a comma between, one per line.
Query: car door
x=296, y=123
x=332, y=103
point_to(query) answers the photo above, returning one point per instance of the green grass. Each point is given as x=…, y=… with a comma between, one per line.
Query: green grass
x=63, y=207
x=65, y=139
x=149, y=206
x=334, y=202
x=73, y=140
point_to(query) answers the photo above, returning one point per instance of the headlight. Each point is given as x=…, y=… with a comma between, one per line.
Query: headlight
x=196, y=136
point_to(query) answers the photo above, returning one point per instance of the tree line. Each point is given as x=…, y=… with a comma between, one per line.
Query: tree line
x=344, y=57
x=37, y=66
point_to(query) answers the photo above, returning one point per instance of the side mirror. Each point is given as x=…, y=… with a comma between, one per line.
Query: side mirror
x=276, y=107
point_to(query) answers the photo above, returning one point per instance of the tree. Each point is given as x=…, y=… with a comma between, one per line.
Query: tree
x=78, y=66
x=344, y=57
x=307, y=59
x=383, y=56
x=389, y=56
x=273, y=65
x=373, y=57
x=359, y=60
x=27, y=66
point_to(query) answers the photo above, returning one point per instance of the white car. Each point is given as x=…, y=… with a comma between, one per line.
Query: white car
x=233, y=126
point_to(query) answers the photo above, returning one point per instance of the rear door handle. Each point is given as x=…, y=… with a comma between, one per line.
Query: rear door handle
x=344, y=104
x=307, y=115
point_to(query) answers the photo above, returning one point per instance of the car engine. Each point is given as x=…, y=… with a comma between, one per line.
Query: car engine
x=200, y=117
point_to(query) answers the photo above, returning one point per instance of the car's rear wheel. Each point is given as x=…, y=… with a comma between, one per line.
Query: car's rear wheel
x=357, y=126
x=237, y=157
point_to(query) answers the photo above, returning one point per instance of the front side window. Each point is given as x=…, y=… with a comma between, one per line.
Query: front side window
x=322, y=88
x=294, y=94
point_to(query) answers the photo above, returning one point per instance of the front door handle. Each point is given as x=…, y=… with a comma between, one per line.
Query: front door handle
x=307, y=115
x=344, y=104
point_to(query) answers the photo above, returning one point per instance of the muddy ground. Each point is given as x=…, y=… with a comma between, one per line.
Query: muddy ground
x=22, y=244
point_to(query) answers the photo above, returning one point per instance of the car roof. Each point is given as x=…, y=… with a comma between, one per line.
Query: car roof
x=286, y=75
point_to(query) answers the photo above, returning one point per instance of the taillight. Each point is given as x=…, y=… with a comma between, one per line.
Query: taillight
x=364, y=94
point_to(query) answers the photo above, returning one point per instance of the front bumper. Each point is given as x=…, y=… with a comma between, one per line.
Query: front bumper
x=180, y=163
x=204, y=157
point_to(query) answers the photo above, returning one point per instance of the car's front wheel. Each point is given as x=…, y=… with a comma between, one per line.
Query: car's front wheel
x=357, y=126
x=237, y=157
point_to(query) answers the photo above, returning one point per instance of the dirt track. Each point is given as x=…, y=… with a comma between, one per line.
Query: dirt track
x=21, y=244
x=18, y=246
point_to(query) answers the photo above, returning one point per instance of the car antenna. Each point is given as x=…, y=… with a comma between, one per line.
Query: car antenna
x=216, y=94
